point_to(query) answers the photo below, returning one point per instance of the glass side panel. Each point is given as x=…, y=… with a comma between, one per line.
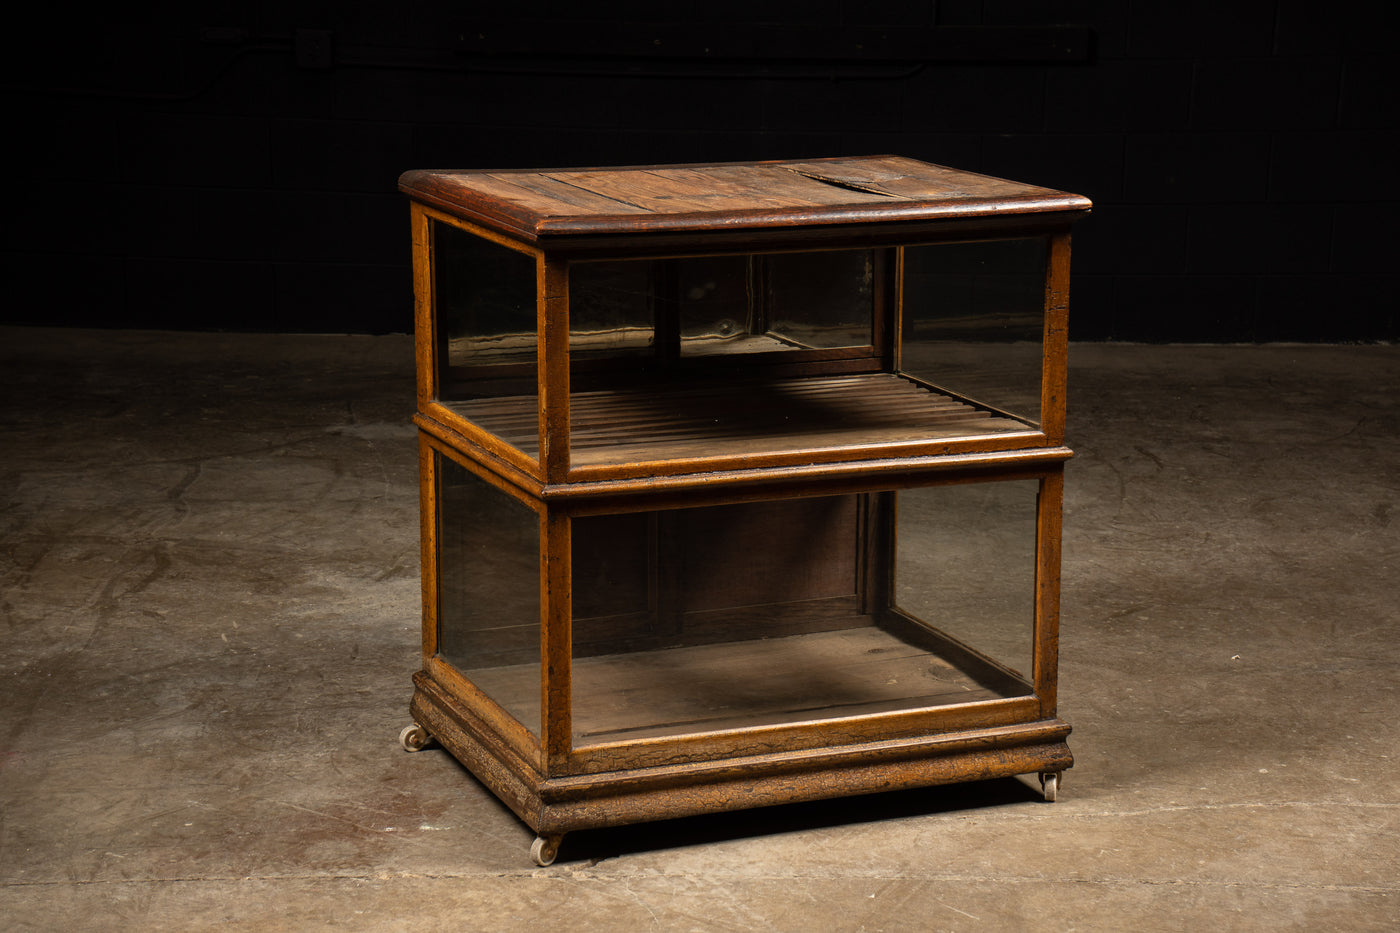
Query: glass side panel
x=965, y=570
x=822, y=300
x=768, y=613
x=484, y=296
x=974, y=317
x=489, y=590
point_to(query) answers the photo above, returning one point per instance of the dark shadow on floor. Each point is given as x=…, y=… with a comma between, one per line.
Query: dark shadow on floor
x=599, y=844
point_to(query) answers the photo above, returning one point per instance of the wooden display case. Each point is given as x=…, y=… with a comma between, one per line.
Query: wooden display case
x=741, y=483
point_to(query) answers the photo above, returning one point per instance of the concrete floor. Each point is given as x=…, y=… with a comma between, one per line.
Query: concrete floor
x=210, y=608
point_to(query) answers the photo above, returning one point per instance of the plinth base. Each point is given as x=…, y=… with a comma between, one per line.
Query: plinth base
x=553, y=806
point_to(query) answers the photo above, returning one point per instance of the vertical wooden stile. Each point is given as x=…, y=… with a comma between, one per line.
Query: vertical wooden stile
x=556, y=641
x=1049, y=519
x=877, y=596
x=552, y=289
x=1055, y=349
x=424, y=321
x=889, y=306
x=428, y=519
x=663, y=289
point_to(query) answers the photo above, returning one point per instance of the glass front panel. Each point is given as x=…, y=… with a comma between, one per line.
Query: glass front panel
x=684, y=358
x=965, y=570
x=484, y=295
x=974, y=316
x=489, y=590
x=759, y=614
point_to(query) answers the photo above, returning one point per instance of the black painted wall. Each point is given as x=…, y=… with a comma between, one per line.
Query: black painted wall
x=232, y=165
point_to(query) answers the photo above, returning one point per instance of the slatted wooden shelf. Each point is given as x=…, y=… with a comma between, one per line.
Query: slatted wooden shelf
x=741, y=417
x=745, y=684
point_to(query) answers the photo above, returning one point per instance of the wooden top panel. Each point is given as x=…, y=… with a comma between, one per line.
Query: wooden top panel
x=736, y=196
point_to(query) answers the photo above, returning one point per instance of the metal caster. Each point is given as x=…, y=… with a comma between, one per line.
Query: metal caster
x=1050, y=785
x=415, y=738
x=544, y=850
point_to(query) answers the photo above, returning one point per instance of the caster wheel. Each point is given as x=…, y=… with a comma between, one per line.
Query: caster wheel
x=1050, y=785
x=415, y=738
x=545, y=849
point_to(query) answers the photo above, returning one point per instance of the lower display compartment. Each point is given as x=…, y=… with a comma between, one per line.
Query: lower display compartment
x=750, y=684
x=555, y=805
x=632, y=659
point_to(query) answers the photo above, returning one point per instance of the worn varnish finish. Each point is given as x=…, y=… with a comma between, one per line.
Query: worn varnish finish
x=667, y=480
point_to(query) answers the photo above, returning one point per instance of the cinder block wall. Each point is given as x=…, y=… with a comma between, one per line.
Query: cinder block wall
x=231, y=165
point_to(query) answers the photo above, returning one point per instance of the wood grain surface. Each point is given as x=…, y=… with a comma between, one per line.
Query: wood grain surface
x=725, y=197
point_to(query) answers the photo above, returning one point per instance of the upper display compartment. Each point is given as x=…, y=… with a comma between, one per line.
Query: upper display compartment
x=583, y=208
x=598, y=325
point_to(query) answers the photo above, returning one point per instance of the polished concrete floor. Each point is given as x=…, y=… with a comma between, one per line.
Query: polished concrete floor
x=210, y=607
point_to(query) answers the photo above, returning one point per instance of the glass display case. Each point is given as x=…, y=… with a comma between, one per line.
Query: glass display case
x=741, y=483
